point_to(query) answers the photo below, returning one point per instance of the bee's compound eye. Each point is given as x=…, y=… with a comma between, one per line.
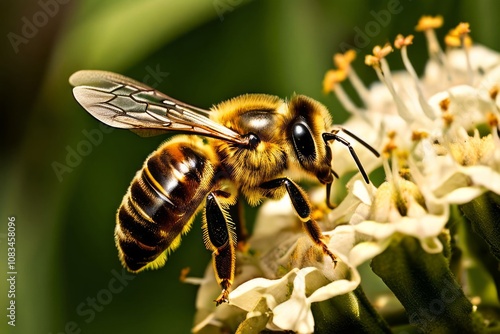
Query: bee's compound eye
x=303, y=141
x=253, y=140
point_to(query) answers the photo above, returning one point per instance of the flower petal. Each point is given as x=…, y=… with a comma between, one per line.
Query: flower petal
x=295, y=313
x=247, y=295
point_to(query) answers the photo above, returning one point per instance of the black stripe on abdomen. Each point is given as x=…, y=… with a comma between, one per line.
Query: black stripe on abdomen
x=161, y=202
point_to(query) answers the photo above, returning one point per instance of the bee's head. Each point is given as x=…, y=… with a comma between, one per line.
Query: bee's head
x=310, y=119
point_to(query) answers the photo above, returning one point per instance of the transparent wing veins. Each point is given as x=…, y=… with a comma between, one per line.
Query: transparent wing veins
x=124, y=103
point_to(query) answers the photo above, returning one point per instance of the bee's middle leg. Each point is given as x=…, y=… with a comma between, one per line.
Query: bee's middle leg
x=303, y=209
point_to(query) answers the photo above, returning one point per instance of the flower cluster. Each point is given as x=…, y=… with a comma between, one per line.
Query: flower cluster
x=439, y=138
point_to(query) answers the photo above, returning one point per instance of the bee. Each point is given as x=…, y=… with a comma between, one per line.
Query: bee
x=245, y=145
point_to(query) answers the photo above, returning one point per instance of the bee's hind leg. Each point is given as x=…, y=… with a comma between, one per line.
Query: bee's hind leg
x=237, y=213
x=219, y=234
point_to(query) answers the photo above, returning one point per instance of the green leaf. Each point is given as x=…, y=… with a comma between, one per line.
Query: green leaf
x=351, y=312
x=484, y=215
x=122, y=34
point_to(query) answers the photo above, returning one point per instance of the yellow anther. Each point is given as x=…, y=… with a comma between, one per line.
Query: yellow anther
x=343, y=60
x=492, y=120
x=444, y=104
x=382, y=51
x=401, y=41
x=371, y=60
x=333, y=77
x=493, y=92
x=429, y=22
x=418, y=135
x=459, y=36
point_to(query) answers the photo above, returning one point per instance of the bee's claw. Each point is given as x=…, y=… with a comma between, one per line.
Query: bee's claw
x=223, y=298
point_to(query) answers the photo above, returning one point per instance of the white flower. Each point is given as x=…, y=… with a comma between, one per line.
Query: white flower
x=400, y=208
x=470, y=168
x=432, y=120
x=436, y=152
x=439, y=133
x=293, y=271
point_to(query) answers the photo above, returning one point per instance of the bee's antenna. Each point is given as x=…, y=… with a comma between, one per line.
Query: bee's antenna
x=333, y=136
x=361, y=141
x=335, y=175
x=329, y=190
x=328, y=193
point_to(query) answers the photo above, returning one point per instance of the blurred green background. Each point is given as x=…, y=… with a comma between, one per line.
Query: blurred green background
x=198, y=51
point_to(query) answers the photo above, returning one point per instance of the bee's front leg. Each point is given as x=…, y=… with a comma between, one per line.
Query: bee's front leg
x=303, y=209
x=220, y=237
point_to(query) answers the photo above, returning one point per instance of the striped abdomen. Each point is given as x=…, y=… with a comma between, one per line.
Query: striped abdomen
x=162, y=200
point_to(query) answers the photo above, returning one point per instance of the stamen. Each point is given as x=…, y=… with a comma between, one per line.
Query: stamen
x=446, y=115
x=382, y=52
x=459, y=37
x=395, y=174
x=379, y=53
x=444, y=104
x=493, y=92
x=390, y=146
x=331, y=82
x=343, y=61
x=387, y=169
x=493, y=122
x=332, y=78
x=191, y=280
x=385, y=74
x=418, y=135
x=403, y=169
x=447, y=118
x=356, y=82
x=402, y=42
x=378, y=62
x=427, y=24
x=372, y=61
x=493, y=116
x=347, y=103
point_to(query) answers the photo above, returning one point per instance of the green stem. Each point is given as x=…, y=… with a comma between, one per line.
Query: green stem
x=425, y=286
x=484, y=215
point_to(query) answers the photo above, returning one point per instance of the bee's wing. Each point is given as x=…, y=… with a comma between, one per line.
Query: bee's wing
x=124, y=103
